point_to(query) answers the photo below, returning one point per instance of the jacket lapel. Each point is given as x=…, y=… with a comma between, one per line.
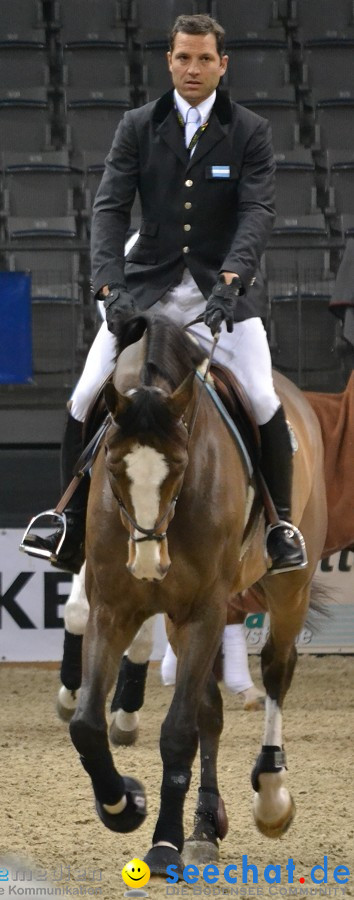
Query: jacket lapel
x=171, y=132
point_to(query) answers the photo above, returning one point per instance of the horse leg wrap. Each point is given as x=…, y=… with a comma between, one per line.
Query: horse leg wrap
x=271, y=759
x=134, y=812
x=108, y=785
x=130, y=690
x=70, y=671
x=169, y=827
x=210, y=820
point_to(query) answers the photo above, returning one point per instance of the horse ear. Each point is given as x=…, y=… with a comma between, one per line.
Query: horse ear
x=178, y=401
x=116, y=403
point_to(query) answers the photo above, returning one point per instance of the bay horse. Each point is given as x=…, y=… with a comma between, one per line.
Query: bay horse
x=175, y=525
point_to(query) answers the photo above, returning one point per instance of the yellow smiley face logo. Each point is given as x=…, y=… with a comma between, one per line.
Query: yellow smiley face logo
x=136, y=873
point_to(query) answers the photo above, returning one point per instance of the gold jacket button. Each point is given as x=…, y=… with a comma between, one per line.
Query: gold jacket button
x=187, y=227
x=189, y=182
x=185, y=249
x=188, y=205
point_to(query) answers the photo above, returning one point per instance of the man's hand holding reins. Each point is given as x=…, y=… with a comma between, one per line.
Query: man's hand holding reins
x=117, y=300
x=220, y=306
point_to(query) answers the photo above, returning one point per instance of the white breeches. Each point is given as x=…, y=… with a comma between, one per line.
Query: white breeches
x=245, y=351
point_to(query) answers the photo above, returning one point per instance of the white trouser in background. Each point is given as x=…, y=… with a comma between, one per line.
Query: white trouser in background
x=245, y=351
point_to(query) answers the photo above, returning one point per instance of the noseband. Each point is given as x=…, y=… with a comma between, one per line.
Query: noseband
x=149, y=533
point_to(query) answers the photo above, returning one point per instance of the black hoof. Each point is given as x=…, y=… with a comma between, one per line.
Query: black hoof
x=134, y=813
x=158, y=858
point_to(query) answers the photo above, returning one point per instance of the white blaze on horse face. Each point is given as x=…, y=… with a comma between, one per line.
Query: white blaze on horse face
x=146, y=469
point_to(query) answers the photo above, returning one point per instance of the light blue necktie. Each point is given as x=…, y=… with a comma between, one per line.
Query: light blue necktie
x=192, y=123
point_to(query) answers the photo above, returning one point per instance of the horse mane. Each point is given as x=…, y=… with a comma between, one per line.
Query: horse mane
x=170, y=352
x=148, y=414
x=170, y=356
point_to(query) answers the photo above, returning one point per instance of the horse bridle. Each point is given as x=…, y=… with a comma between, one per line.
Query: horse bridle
x=150, y=534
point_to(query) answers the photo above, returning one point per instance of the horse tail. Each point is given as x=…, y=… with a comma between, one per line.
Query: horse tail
x=319, y=609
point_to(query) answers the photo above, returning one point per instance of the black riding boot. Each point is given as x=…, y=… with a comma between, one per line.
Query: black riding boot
x=72, y=552
x=284, y=544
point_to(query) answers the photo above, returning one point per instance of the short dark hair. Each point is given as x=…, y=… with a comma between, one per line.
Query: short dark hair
x=200, y=24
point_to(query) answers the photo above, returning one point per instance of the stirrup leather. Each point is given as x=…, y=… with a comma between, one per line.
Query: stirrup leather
x=293, y=532
x=38, y=551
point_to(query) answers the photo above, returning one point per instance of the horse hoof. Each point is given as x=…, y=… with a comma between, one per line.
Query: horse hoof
x=134, y=813
x=253, y=699
x=118, y=737
x=159, y=857
x=199, y=852
x=66, y=703
x=276, y=829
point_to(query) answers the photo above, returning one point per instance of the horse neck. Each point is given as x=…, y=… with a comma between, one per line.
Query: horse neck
x=129, y=364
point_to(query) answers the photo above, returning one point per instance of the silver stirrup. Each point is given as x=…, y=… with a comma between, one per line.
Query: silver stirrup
x=293, y=532
x=37, y=551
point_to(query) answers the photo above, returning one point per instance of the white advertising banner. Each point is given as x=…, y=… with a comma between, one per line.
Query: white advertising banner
x=33, y=595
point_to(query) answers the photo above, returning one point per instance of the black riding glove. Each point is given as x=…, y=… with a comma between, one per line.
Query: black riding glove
x=119, y=301
x=221, y=305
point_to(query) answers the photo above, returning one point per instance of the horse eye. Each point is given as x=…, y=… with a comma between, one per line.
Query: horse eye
x=105, y=449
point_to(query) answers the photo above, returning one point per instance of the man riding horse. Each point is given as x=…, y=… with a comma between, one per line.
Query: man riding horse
x=204, y=169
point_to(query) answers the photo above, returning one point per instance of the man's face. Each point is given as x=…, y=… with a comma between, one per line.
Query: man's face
x=195, y=66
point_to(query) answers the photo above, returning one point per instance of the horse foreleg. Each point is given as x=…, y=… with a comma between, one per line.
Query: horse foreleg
x=210, y=820
x=120, y=801
x=198, y=642
x=129, y=694
x=75, y=617
x=273, y=805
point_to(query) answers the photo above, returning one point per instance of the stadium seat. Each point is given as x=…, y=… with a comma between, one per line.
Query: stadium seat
x=22, y=20
x=41, y=228
x=245, y=19
x=152, y=19
x=257, y=65
x=320, y=18
x=25, y=123
x=92, y=119
x=288, y=266
x=23, y=64
x=333, y=118
x=339, y=181
x=302, y=336
x=90, y=20
x=38, y=184
x=282, y=110
x=91, y=67
x=328, y=66
x=296, y=193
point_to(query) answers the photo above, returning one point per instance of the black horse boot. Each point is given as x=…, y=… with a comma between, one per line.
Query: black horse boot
x=71, y=554
x=284, y=543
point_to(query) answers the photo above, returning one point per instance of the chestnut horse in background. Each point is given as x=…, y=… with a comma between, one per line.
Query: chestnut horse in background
x=175, y=525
